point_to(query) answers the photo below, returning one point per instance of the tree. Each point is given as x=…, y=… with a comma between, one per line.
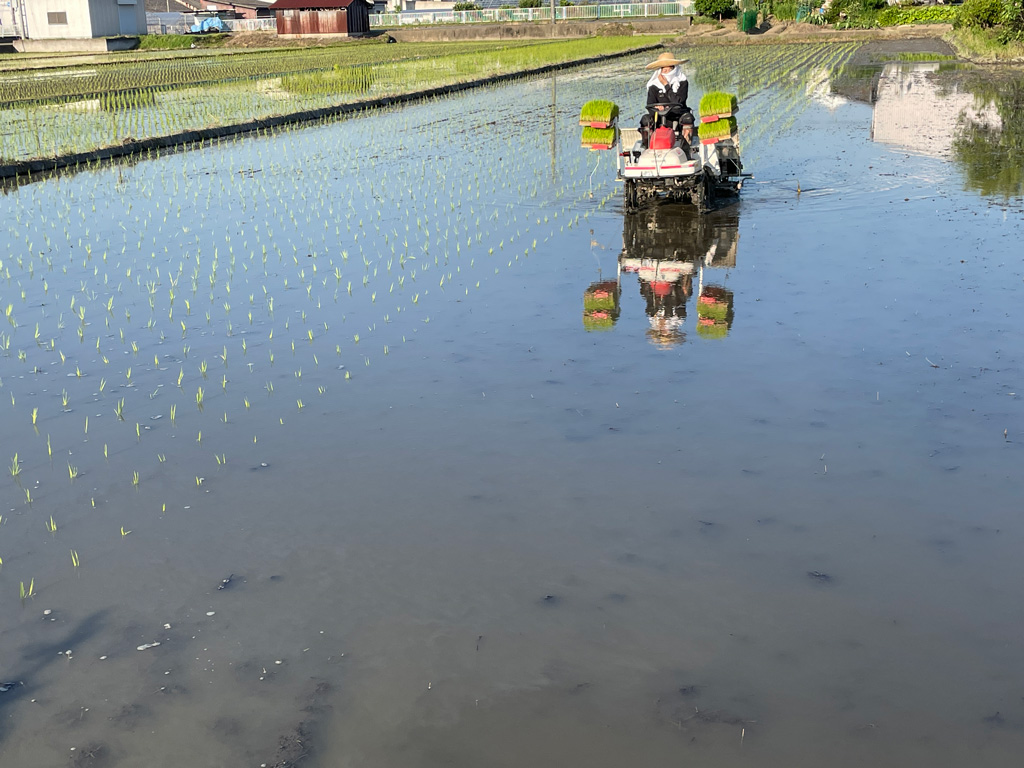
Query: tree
x=715, y=8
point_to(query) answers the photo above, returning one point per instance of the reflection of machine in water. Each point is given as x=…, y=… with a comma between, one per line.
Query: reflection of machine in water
x=666, y=247
x=601, y=305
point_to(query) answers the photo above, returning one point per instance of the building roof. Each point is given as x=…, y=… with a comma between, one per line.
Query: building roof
x=257, y=4
x=312, y=5
x=174, y=6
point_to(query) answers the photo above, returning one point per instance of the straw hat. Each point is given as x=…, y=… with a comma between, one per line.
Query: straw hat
x=665, y=60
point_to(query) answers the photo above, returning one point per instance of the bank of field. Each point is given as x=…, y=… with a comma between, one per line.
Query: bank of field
x=54, y=113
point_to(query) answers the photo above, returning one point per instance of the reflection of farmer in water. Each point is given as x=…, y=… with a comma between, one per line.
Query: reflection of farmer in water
x=665, y=286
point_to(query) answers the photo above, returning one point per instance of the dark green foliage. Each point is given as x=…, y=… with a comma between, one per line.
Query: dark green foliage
x=784, y=10
x=979, y=14
x=466, y=7
x=1013, y=20
x=852, y=13
x=992, y=155
x=529, y=3
x=715, y=8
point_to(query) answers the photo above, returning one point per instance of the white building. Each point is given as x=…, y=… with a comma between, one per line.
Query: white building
x=62, y=19
x=911, y=114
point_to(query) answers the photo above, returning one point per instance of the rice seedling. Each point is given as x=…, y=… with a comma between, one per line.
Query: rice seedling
x=51, y=526
x=720, y=129
x=15, y=468
x=74, y=559
x=30, y=592
x=718, y=104
x=598, y=113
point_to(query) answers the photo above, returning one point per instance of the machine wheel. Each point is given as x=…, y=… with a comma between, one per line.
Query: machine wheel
x=706, y=197
x=631, y=200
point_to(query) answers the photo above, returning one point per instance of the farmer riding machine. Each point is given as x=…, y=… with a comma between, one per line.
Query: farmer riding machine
x=666, y=164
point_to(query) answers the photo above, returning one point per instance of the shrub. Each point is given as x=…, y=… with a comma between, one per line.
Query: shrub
x=979, y=14
x=785, y=10
x=529, y=3
x=466, y=7
x=1013, y=19
x=919, y=14
x=715, y=8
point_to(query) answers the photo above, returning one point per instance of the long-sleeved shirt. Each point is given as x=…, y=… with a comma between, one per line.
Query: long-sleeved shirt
x=672, y=93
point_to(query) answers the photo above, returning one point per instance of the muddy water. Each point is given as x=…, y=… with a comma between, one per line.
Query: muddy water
x=588, y=488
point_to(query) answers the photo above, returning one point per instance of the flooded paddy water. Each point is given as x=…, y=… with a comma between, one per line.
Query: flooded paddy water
x=393, y=441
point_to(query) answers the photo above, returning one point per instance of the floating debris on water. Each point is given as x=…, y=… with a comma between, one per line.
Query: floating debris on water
x=146, y=646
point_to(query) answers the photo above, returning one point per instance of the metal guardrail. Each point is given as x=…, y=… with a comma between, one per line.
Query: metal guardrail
x=569, y=13
x=180, y=23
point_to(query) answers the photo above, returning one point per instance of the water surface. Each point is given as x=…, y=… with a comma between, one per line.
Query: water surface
x=501, y=475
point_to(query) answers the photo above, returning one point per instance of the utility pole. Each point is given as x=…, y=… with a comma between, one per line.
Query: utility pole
x=552, y=12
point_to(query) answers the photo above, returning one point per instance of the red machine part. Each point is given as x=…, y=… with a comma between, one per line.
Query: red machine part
x=663, y=138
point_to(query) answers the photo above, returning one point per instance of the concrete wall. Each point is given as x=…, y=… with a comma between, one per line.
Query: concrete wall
x=85, y=18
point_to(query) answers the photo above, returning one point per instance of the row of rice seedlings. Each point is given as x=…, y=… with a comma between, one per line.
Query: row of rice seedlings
x=357, y=79
x=131, y=289
x=140, y=317
x=55, y=129
x=95, y=80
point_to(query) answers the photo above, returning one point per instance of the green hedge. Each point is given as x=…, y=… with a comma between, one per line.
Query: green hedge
x=894, y=16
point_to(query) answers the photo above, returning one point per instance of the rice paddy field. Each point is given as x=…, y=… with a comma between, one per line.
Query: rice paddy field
x=392, y=441
x=64, y=111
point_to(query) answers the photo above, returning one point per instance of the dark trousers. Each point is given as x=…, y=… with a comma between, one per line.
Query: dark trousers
x=669, y=117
